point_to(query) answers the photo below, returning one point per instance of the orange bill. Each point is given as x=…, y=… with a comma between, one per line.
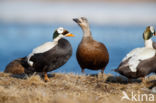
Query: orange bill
x=70, y=35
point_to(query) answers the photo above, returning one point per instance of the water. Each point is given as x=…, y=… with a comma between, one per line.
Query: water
x=18, y=40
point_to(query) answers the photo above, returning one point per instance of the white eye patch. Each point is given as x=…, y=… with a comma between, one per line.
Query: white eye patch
x=152, y=29
x=60, y=30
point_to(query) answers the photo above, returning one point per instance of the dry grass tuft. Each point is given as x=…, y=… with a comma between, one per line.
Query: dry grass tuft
x=67, y=88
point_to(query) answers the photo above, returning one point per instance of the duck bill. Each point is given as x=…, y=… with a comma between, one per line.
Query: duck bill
x=70, y=35
x=76, y=20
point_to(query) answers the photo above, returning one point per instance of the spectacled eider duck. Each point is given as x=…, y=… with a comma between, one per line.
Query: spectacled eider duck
x=140, y=61
x=51, y=55
x=90, y=54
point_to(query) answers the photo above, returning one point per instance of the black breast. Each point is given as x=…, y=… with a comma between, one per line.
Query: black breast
x=54, y=58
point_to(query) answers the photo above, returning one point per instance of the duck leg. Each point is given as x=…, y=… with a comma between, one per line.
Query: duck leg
x=102, y=72
x=46, y=79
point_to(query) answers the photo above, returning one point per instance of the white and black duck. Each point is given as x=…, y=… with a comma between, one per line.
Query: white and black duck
x=140, y=61
x=51, y=55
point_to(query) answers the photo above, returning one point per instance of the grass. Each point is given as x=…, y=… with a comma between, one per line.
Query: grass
x=68, y=88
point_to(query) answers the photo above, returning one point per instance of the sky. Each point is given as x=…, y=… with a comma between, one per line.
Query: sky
x=37, y=11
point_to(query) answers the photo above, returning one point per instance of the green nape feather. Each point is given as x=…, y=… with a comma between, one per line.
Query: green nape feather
x=147, y=34
x=55, y=34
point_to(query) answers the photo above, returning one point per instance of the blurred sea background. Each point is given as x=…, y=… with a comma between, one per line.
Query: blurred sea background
x=119, y=24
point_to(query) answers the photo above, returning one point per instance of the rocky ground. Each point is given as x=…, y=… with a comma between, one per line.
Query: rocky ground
x=72, y=88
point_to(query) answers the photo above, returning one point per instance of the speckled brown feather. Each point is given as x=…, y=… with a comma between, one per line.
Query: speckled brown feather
x=90, y=53
x=18, y=66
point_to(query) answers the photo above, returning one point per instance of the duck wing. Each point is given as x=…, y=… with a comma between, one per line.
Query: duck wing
x=136, y=56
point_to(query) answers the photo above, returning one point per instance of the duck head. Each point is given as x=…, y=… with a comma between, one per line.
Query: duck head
x=61, y=33
x=82, y=22
x=149, y=32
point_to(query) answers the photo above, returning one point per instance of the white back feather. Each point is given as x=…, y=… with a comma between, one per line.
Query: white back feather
x=152, y=29
x=137, y=55
x=43, y=48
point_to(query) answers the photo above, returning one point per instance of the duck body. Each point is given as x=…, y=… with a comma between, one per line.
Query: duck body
x=53, y=58
x=140, y=61
x=139, y=64
x=146, y=67
x=51, y=55
x=90, y=54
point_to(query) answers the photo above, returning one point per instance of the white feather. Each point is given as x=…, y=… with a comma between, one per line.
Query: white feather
x=43, y=48
x=152, y=29
x=137, y=55
x=60, y=30
x=149, y=43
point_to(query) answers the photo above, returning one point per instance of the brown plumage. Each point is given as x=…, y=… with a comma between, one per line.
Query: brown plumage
x=18, y=66
x=90, y=53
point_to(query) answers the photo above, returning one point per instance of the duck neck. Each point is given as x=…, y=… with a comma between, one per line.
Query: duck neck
x=86, y=32
x=57, y=38
x=149, y=43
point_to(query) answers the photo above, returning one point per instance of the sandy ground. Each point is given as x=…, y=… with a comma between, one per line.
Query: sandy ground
x=71, y=88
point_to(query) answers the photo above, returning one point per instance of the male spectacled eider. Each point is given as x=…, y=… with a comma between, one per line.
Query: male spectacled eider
x=90, y=54
x=140, y=61
x=51, y=55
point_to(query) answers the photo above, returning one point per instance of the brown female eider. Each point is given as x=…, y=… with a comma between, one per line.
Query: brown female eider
x=18, y=66
x=140, y=61
x=51, y=55
x=90, y=54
